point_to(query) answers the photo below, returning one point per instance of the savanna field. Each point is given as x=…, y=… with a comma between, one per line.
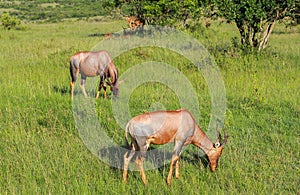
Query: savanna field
x=42, y=152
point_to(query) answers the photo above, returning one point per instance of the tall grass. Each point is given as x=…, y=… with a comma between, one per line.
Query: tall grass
x=41, y=151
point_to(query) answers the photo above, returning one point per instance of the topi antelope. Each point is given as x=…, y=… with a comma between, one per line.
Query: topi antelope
x=161, y=127
x=91, y=64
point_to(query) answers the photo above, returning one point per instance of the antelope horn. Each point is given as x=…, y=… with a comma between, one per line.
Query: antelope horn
x=218, y=136
x=225, y=139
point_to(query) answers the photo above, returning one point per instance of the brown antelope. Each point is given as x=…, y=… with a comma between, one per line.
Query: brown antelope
x=161, y=127
x=134, y=22
x=107, y=35
x=91, y=64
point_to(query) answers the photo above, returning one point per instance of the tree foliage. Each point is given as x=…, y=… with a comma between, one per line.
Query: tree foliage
x=164, y=12
x=255, y=19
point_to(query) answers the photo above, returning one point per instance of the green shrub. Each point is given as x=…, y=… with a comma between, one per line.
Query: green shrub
x=8, y=22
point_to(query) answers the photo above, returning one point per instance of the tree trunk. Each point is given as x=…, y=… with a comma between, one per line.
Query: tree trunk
x=250, y=35
x=241, y=28
x=266, y=36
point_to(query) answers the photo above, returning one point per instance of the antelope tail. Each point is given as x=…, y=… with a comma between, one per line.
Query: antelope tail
x=126, y=137
x=73, y=71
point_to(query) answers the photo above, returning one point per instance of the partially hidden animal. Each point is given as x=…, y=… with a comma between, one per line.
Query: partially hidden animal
x=134, y=22
x=91, y=64
x=161, y=127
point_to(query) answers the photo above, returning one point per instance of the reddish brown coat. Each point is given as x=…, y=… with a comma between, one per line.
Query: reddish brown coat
x=91, y=64
x=161, y=127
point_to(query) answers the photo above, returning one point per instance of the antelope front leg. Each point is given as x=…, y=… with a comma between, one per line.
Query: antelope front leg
x=104, y=88
x=104, y=94
x=99, y=89
x=101, y=85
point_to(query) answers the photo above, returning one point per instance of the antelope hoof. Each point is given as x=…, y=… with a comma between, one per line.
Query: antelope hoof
x=168, y=181
x=145, y=182
x=97, y=96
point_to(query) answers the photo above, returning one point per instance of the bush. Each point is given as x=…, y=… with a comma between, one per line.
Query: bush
x=8, y=22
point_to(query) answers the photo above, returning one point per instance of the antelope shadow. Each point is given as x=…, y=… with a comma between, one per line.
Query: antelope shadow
x=114, y=156
x=62, y=90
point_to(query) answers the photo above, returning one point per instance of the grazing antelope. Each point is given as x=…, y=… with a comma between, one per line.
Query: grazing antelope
x=161, y=127
x=134, y=22
x=91, y=64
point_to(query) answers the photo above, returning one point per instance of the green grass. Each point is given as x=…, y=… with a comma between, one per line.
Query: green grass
x=47, y=11
x=41, y=150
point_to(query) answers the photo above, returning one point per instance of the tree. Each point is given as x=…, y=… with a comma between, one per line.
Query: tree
x=9, y=22
x=163, y=12
x=255, y=19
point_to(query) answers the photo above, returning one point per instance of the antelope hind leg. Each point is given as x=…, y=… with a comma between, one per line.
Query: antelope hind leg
x=177, y=173
x=83, y=88
x=139, y=161
x=126, y=163
x=173, y=162
x=72, y=89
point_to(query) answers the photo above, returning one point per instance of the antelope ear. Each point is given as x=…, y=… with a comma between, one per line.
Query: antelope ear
x=217, y=144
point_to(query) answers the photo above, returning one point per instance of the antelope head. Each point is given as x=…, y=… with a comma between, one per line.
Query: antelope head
x=215, y=152
x=115, y=87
